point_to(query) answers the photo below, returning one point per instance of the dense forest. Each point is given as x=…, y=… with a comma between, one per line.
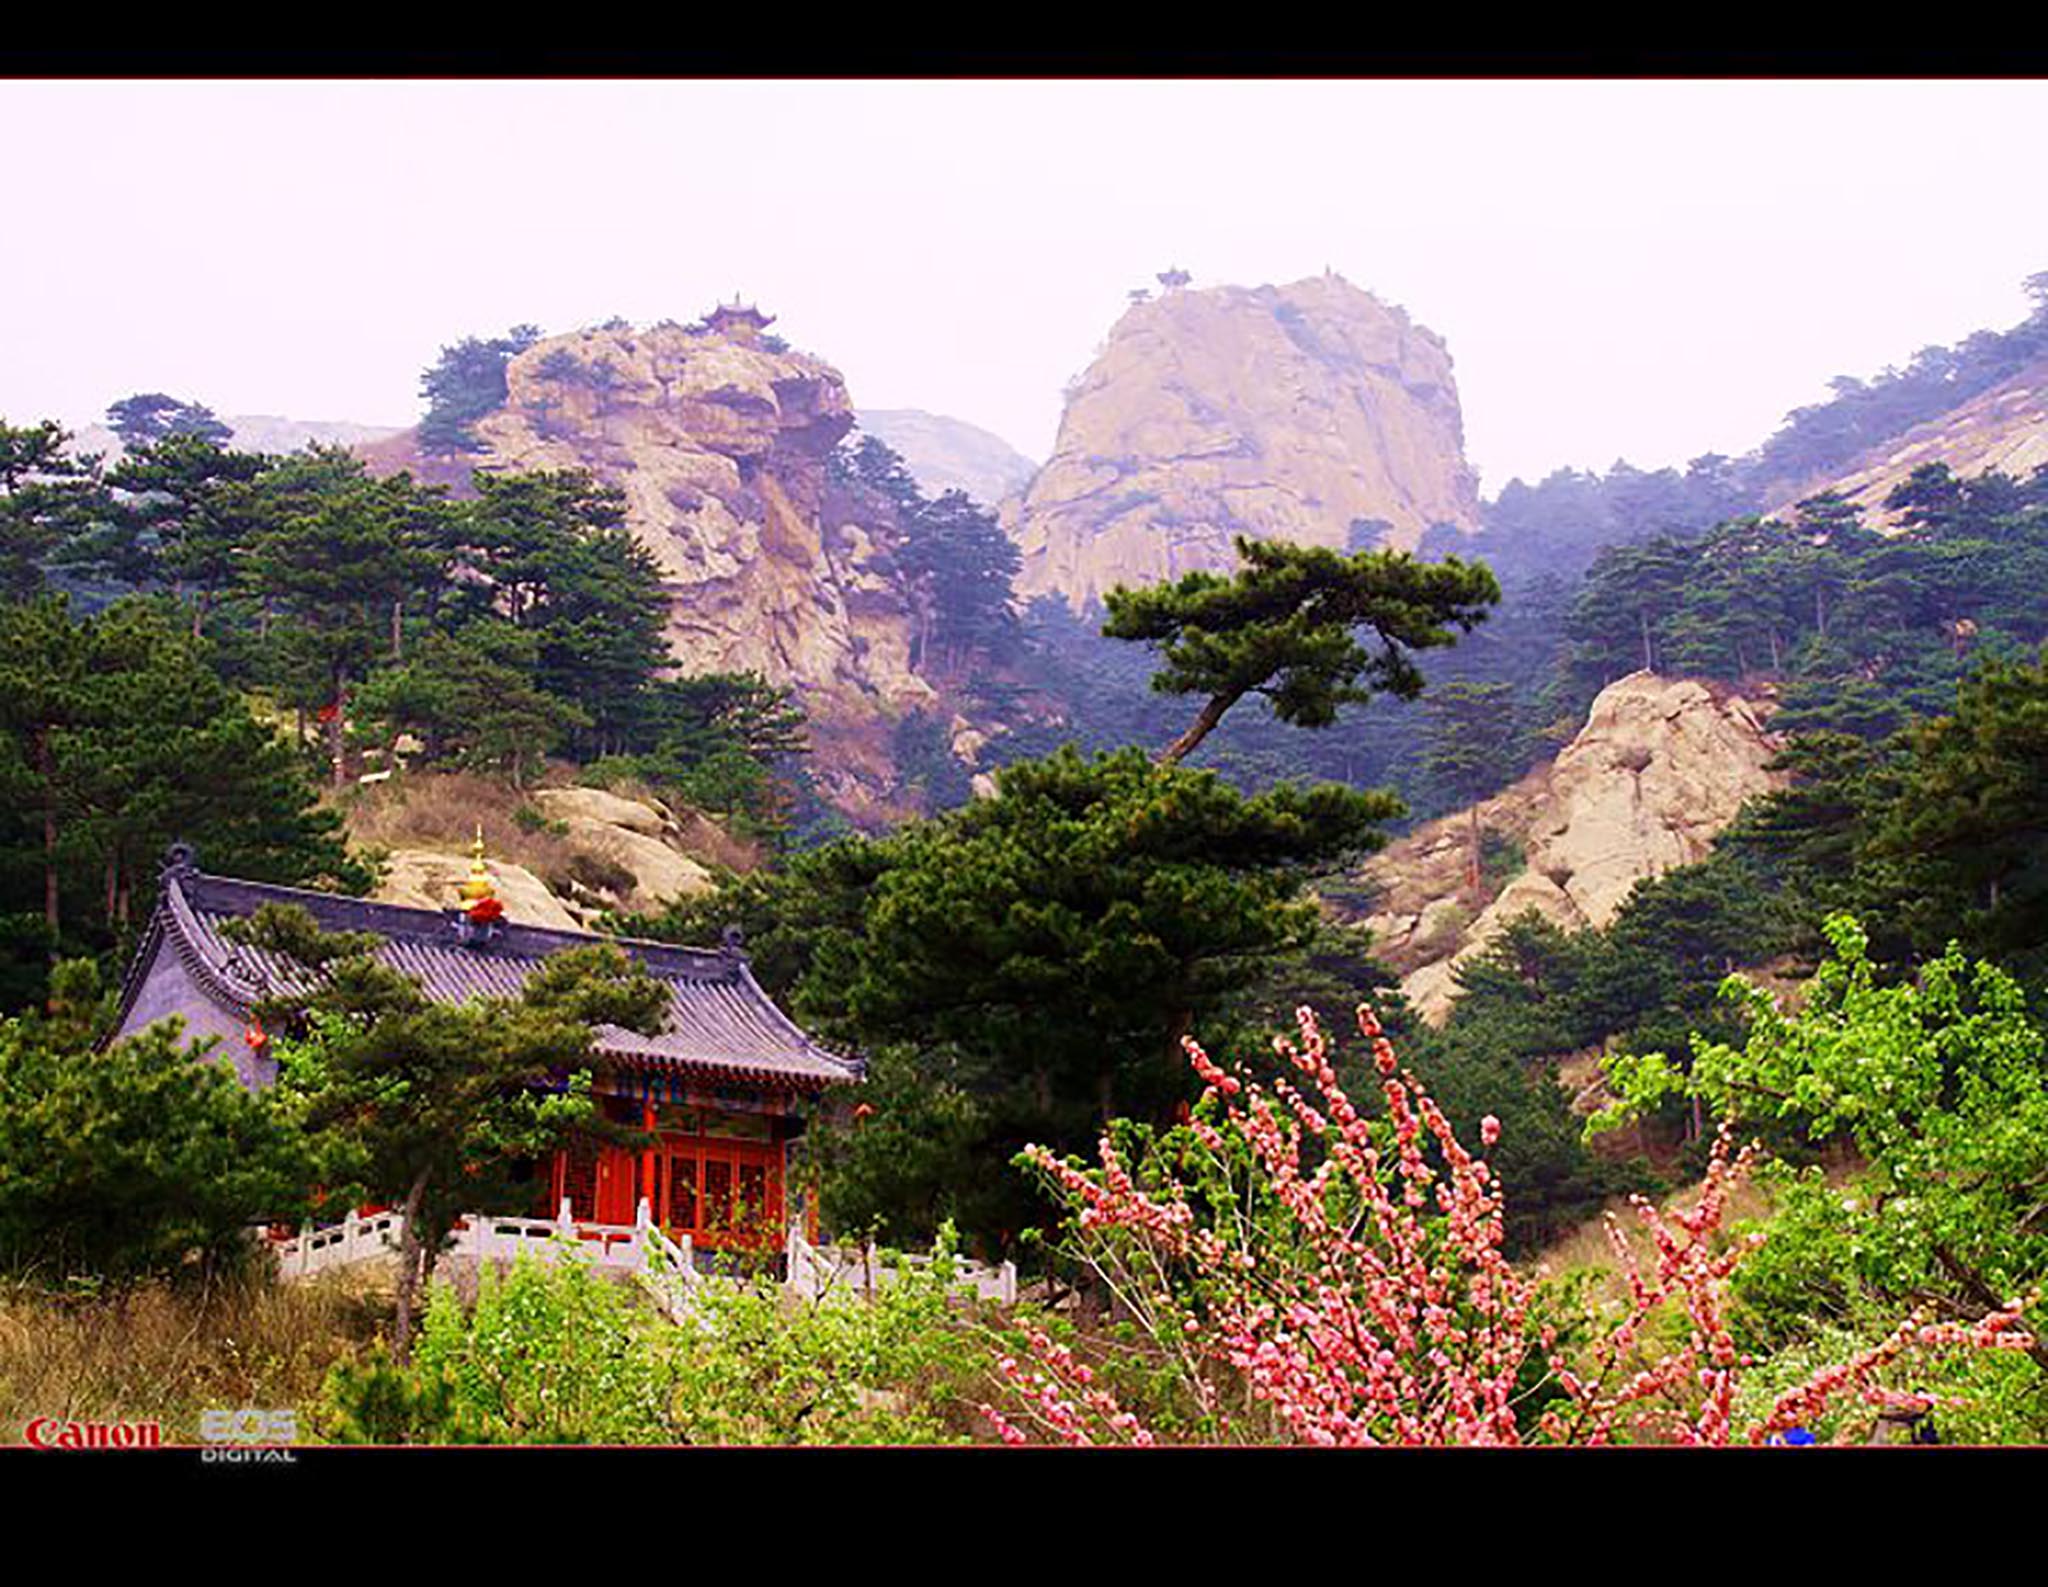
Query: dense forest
x=199, y=640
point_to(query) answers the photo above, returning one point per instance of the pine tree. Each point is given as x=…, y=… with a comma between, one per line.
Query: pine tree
x=1284, y=627
x=434, y=1105
x=1471, y=750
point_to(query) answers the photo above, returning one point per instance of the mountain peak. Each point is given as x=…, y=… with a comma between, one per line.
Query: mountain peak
x=1281, y=412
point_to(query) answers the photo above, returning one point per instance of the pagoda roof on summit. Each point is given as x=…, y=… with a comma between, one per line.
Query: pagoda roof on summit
x=737, y=313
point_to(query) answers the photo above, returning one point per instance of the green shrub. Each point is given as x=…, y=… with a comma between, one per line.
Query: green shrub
x=561, y=1355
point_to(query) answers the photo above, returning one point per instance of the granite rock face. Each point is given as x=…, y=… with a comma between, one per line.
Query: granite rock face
x=1277, y=412
x=428, y=879
x=2005, y=428
x=1658, y=771
x=611, y=854
x=721, y=443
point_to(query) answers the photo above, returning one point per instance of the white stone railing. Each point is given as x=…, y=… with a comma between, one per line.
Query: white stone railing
x=818, y=1272
x=666, y=1267
x=354, y=1239
x=638, y=1247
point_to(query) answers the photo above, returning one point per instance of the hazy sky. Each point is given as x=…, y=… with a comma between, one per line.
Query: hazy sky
x=1648, y=270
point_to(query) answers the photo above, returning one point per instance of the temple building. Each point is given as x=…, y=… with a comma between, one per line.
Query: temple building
x=741, y=322
x=726, y=1087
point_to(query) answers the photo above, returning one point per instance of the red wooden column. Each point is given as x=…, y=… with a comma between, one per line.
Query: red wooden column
x=648, y=1192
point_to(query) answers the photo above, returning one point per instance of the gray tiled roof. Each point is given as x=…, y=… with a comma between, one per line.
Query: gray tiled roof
x=721, y=1024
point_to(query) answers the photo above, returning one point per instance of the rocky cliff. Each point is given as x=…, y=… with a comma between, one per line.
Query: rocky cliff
x=720, y=442
x=1659, y=769
x=945, y=454
x=2005, y=428
x=1277, y=412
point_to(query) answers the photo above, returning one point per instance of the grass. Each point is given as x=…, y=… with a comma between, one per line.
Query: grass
x=1587, y=1248
x=440, y=811
x=166, y=1352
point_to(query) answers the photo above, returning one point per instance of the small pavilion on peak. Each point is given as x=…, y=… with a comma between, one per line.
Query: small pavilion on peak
x=741, y=322
x=725, y=1089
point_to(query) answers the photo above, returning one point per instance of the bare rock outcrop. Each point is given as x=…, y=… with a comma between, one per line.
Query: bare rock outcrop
x=427, y=879
x=720, y=441
x=560, y=856
x=2005, y=428
x=1276, y=412
x=633, y=836
x=1658, y=771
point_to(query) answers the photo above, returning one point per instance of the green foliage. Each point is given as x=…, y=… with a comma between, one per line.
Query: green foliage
x=45, y=496
x=116, y=738
x=722, y=743
x=187, y=515
x=1931, y=834
x=466, y=383
x=1965, y=826
x=440, y=1107
x=911, y=1161
x=1283, y=628
x=1501, y=858
x=1940, y=1086
x=1054, y=942
x=151, y=418
x=1473, y=741
x=132, y=1159
x=552, y=1354
x=472, y=697
x=556, y=1354
x=758, y=1369
x=1867, y=629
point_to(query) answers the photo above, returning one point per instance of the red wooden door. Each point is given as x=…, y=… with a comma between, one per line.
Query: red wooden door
x=724, y=1193
x=615, y=1185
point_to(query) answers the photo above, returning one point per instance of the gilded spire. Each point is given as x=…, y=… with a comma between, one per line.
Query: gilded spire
x=480, y=885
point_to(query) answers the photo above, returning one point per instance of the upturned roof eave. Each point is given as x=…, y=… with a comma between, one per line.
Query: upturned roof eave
x=176, y=920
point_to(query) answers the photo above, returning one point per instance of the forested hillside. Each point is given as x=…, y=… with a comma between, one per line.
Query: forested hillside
x=1124, y=838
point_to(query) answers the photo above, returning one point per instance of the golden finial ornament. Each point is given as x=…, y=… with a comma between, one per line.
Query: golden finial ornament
x=479, y=886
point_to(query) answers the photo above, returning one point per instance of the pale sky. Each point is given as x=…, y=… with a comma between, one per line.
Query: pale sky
x=1649, y=270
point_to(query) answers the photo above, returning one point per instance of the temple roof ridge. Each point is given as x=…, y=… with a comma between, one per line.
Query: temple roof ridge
x=721, y=1020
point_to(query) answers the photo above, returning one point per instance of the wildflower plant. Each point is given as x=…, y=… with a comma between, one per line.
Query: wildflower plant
x=1311, y=1273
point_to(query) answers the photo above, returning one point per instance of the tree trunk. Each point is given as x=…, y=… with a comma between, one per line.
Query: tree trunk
x=336, y=727
x=408, y=1271
x=1205, y=724
x=398, y=628
x=46, y=770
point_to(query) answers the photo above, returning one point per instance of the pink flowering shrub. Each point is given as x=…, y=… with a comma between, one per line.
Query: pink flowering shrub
x=1306, y=1273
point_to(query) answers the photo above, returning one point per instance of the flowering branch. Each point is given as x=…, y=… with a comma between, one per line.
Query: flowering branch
x=1350, y=1274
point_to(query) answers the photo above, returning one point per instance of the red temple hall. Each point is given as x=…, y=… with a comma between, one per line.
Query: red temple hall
x=726, y=1087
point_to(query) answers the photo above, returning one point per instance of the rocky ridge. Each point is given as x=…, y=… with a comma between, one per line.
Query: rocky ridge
x=2005, y=428
x=1657, y=772
x=721, y=442
x=1278, y=412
